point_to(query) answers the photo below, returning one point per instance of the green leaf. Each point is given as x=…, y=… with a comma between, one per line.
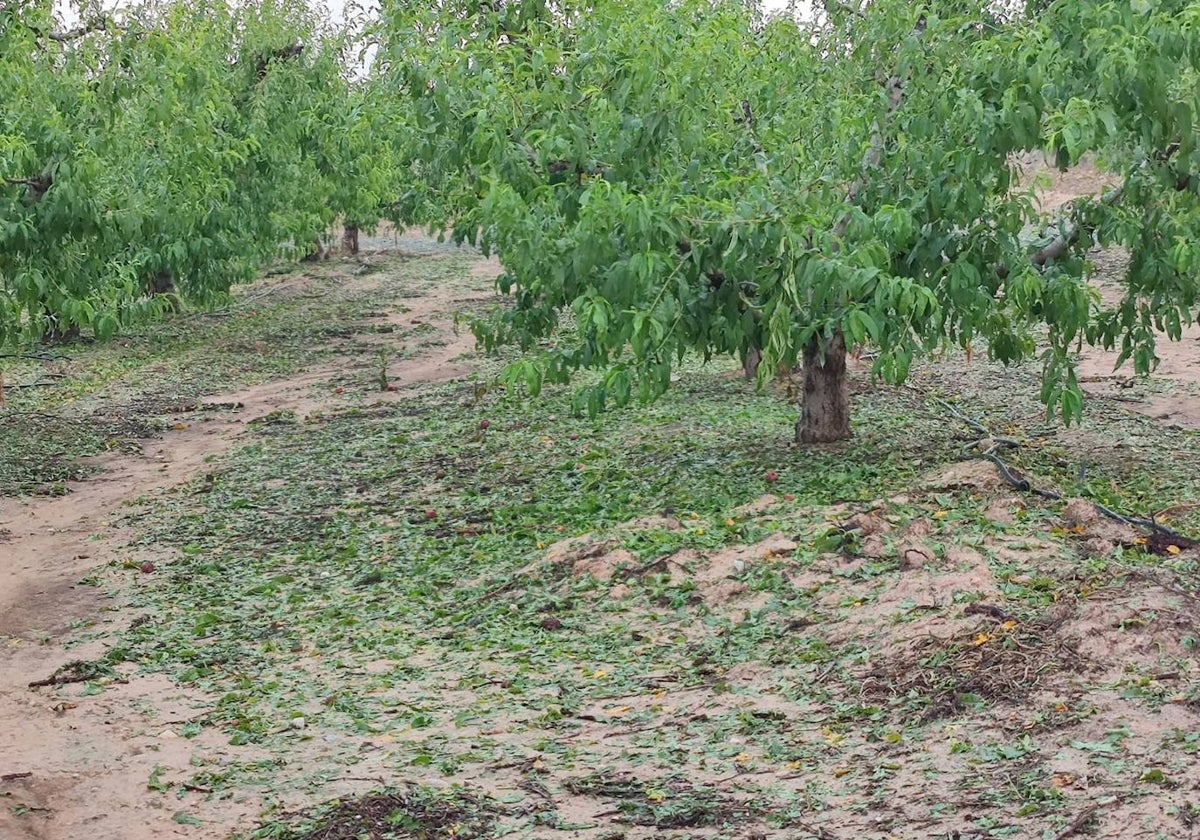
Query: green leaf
x=156, y=783
x=1103, y=747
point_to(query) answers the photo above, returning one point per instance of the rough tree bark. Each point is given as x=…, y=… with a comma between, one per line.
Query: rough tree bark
x=825, y=414
x=350, y=239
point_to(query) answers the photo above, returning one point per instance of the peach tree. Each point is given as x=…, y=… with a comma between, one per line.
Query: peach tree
x=165, y=150
x=662, y=179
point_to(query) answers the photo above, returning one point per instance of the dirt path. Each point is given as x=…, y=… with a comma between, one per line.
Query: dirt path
x=73, y=764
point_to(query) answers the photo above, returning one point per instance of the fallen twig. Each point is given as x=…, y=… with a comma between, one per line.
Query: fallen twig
x=1022, y=483
x=12, y=777
x=75, y=672
x=1075, y=825
x=30, y=385
x=815, y=830
x=1179, y=508
x=241, y=303
x=58, y=418
x=989, y=610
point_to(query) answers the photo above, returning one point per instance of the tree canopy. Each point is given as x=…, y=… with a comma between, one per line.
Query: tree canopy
x=697, y=176
x=168, y=148
x=656, y=179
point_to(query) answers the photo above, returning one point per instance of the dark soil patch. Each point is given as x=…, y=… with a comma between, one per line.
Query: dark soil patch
x=670, y=803
x=941, y=677
x=413, y=813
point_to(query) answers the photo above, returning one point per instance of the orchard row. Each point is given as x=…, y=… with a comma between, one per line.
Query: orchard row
x=657, y=179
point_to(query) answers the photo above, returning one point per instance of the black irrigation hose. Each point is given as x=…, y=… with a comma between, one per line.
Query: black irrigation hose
x=41, y=356
x=1024, y=485
x=1021, y=483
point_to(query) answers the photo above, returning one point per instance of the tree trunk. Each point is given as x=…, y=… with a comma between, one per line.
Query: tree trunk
x=163, y=283
x=825, y=415
x=750, y=364
x=56, y=334
x=317, y=251
x=350, y=239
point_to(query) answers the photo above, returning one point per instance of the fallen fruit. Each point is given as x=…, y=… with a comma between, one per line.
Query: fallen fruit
x=483, y=424
x=772, y=476
x=390, y=388
x=431, y=514
x=338, y=389
x=788, y=497
x=147, y=567
x=551, y=623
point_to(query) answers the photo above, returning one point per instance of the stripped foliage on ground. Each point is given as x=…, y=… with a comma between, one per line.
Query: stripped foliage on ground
x=444, y=611
x=465, y=589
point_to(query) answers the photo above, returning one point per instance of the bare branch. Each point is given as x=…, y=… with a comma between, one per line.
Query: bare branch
x=1069, y=237
x=96, y=24
x=1061, y=244
x=36, y=186
x=873, y=157
x=1057, y=248
x=851, y=8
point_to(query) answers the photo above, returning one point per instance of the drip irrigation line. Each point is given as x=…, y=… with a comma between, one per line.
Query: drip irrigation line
x=241, y=303
x=18, y=386
x=988, y=445
x=40, y=356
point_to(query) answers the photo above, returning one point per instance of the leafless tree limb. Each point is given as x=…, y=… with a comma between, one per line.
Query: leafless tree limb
x=96, y=24
x=1061, y=244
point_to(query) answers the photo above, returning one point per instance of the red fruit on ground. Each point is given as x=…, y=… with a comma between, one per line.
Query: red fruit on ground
x=788, y=497
x=772, y=476
x=431, y=514
x=338, y=389
x=483, y=424
x=147, y=567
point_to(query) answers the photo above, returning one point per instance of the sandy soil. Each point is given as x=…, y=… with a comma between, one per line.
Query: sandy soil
x=1078, y=652
x=73, y=765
